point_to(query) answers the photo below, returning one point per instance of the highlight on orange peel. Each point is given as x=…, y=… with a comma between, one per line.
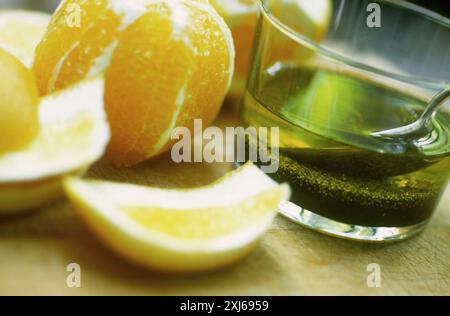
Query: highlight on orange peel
x=166, y=62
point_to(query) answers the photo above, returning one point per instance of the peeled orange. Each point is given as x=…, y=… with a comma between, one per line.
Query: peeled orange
x=167, y=62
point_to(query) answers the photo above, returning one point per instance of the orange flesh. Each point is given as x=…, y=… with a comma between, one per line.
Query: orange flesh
x=164, y=71
x=19, y=121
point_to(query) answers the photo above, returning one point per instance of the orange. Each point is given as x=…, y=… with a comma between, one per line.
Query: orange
x=19, y=99
x=308, y=17
x=180, y=231
x=240, y=16
x=167, y=62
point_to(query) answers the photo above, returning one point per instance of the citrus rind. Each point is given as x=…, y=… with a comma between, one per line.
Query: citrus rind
x=190, y=230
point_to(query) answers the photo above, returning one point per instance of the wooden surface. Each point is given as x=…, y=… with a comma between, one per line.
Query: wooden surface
x=35, y=250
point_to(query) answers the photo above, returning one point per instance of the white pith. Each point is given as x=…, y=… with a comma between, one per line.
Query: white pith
x=55, y=74
x=102, y=62
x=20, y=18
x=248, y=182
x=165, y=136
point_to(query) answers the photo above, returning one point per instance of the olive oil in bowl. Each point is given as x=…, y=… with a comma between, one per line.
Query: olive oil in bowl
x=336, y=168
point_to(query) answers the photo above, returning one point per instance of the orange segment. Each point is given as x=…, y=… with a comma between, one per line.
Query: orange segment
x=167, y=63
x=182, y=78
x=19, y=122
x=61, y=38
x=153, y=91
x=81, y=60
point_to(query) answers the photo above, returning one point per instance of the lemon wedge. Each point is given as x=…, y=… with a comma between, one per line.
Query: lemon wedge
x=73, y=134
x=180, y=230
x=21, y=31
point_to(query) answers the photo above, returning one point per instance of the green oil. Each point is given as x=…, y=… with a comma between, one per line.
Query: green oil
x=334, y=166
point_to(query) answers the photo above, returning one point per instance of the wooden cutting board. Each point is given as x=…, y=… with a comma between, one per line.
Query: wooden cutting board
x=35, y=250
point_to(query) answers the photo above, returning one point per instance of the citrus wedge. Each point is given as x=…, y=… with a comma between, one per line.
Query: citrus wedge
x=73, y=134
x=180, y=230
x=21, y=31
x=18, y=197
